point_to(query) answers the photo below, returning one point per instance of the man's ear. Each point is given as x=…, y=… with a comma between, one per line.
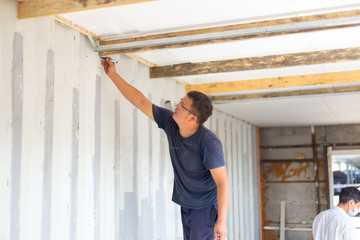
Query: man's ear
x=194, y=118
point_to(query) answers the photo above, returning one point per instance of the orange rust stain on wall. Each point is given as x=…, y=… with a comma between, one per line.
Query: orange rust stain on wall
x=264, y=173
x=264, y=188
x=271, y=235
x=286, y=170
x=322, y=169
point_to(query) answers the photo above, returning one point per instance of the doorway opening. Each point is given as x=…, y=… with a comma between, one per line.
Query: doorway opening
x=343, y=171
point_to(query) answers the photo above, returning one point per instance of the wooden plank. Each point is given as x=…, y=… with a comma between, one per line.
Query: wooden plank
x=139, y=59
x=321, y=91
x=39, y=8
x=261, y=33
x=256, y=63
x=279, y=82
x=75, y=26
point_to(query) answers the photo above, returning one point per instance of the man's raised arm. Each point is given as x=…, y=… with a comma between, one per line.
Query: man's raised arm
x=129, y=92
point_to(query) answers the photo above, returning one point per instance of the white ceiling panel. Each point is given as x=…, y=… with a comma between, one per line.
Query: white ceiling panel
x=175, y=15
x=293, y=43
x=345, y=108
x=301, y=111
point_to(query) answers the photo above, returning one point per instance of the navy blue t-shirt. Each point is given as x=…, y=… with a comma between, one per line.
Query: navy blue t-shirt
x=192, y=158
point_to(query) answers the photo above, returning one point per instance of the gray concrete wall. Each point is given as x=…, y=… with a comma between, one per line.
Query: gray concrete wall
x=292, y=171
x=78, y=161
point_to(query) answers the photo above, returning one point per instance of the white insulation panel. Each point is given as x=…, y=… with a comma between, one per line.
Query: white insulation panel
x=80, y=162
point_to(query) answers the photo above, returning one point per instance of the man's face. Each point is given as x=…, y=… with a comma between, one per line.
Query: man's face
x=182, y=111
x=354, y=205
x=357, y=205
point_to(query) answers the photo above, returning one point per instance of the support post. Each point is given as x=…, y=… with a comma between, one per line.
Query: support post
x=282, y=220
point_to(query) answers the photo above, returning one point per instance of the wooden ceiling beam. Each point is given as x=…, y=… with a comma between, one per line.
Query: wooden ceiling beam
x=237, y=32
x=257, y=63
x=298, y=93
x=279, y=82
x=40, y=8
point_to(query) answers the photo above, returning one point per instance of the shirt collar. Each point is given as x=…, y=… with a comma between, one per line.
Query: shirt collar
x=339, y=209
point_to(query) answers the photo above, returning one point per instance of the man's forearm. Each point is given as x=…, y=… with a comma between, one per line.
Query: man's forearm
x=128, y=91
x=132, y=94
x=223, y=201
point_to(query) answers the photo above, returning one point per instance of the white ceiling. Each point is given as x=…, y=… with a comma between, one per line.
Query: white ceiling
x=298, y=111
x=164, y=16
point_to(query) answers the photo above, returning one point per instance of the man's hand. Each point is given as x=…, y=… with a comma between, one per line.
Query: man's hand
x=109, y=66
x=220, y=231
x=133, y=95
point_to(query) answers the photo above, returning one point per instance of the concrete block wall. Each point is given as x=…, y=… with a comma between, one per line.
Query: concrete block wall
x=291, y=172
x=78, y=161
x=284, y=177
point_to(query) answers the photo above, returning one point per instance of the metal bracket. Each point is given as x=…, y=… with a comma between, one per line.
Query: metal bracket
x=94, y=42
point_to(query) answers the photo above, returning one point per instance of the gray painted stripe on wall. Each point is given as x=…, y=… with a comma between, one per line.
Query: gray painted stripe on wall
x=228, y=167
x=251, y=183
x=246, y=182
x=235, y=192
x=161, y=231
x=74, y=166
x=48, y=147
x=151, y=177
x=231, y=159
x=17, y=106
x=238, y=169
x=256, y=184
x=96, y=159
x=135, y=174
x=117, y=170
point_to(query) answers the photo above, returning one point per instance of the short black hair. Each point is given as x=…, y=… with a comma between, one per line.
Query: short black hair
x=349, y=193
x=201, y=107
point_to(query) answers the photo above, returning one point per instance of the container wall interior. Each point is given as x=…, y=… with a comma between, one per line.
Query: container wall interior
x=239, y=141
x=80, y=162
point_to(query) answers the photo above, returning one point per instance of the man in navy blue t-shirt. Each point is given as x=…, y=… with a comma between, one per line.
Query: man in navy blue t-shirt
x=200, y=180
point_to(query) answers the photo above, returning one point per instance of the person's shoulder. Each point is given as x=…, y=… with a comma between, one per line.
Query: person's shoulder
x=162, y=116
x=325, y=214
x=341, y=213
x=208, y=139
x=206, y=133
x=161, y=109
x=322, y=213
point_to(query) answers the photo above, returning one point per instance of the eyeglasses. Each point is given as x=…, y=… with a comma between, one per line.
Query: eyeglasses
x=181, y=104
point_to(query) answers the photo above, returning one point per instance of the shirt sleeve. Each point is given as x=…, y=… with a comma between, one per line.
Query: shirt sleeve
x=162, y=116
x=213, y=155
